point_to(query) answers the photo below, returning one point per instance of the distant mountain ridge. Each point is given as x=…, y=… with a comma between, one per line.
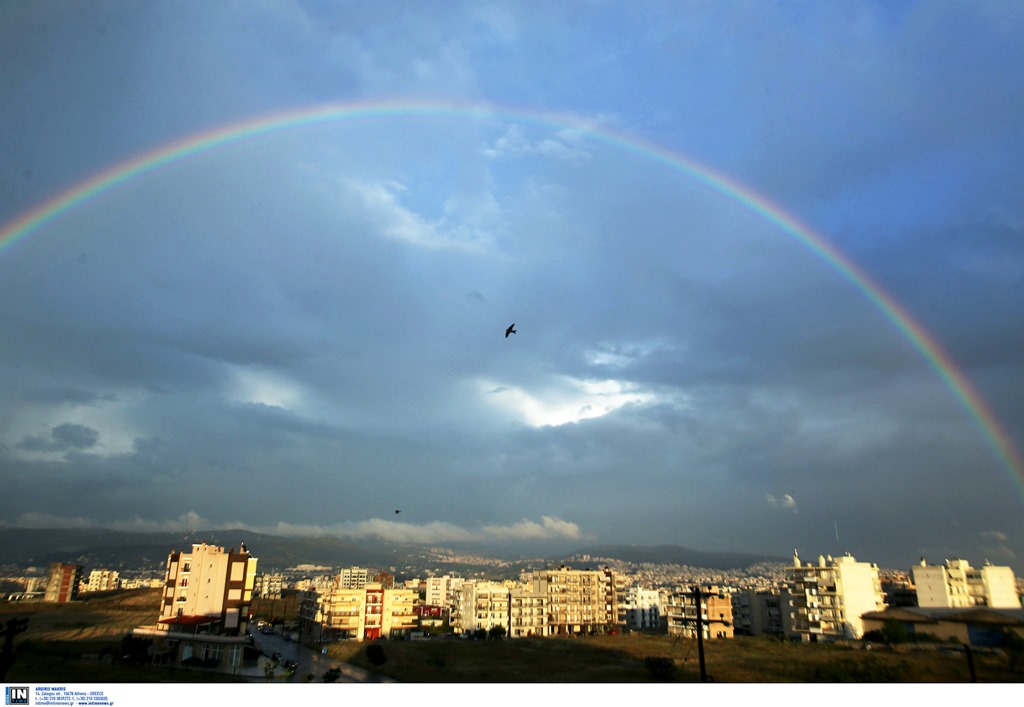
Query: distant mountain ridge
x=114, y=549
x=95, y=548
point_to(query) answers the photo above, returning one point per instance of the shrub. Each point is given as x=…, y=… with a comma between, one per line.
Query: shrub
x=375, y=654
x=660, y=668
x=870, y=670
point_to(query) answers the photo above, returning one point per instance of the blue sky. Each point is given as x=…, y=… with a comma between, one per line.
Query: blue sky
x=303, y=331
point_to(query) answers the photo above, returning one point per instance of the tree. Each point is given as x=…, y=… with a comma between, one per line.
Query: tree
x=496, y=633
x=660, y=667
x=375, y=654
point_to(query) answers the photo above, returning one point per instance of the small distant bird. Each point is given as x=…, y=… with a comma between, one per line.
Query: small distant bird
x=397, y=511
x=511, y=329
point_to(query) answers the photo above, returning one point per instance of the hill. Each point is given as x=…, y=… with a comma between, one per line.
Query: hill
x=130, y=552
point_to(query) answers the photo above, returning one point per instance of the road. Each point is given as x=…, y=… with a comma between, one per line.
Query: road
x=310, y=661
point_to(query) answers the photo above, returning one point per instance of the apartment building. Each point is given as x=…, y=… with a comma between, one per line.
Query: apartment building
x=366, y=613
x=204, y=609
x=757, y=613
x=353, y=578
x=579, y=601
x=103, y=581
x=958, y=585
x=715, y=606
x=268, y=586
x=481, y=605
x=440, y=590
x=825, y=601
x=63, y=582
x=209, y=585
x=641, y=609
x=528, y=613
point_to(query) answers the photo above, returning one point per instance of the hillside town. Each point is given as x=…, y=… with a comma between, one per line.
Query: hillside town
x=213, y=600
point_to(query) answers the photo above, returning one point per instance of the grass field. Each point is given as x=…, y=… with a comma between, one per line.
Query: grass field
x=621, y=659
x=73, y=642
x=67, y=643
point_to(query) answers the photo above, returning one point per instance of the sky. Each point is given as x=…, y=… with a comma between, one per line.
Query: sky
x=765, y=262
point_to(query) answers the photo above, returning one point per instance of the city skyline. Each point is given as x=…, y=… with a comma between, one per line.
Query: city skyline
x=765, y=272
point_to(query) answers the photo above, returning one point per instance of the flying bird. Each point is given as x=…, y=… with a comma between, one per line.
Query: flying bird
x=511, y=329
x=397, y=511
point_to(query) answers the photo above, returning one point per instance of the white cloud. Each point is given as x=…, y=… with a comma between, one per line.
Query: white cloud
x=621, y=355
x=565, y=399
x=432, y=532
x=786, y=503
x=515, y=143
x=380, y=203
x=186, y=521
x=996, y=535
x=48, y=520
x=261, y=387
x=548, y=528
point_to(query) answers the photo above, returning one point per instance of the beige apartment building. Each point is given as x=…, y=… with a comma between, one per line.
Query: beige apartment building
x=579, y=601
x=364, y=614
x=825, y=601
x=715, y=612
x=204, y=609
x=528, y=613
x=958, y=585
x=103, y=581
x=209, y=585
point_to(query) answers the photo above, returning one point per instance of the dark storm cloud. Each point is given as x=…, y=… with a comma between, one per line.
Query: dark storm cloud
x=62, y=438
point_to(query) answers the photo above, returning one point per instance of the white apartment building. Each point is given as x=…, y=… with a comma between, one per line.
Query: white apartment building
x=642, y=609
x=481, y=605
x=958, y=585
x=825, y=601
x=441, y=590
x=103, y=581
x=268, y=586
x=353, y=578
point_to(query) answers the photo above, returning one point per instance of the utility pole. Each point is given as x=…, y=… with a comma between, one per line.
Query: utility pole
x=699, y=626
x=14, y=626
x=700, y=632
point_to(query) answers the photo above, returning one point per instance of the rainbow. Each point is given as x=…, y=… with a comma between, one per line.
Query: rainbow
x=63, y=202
